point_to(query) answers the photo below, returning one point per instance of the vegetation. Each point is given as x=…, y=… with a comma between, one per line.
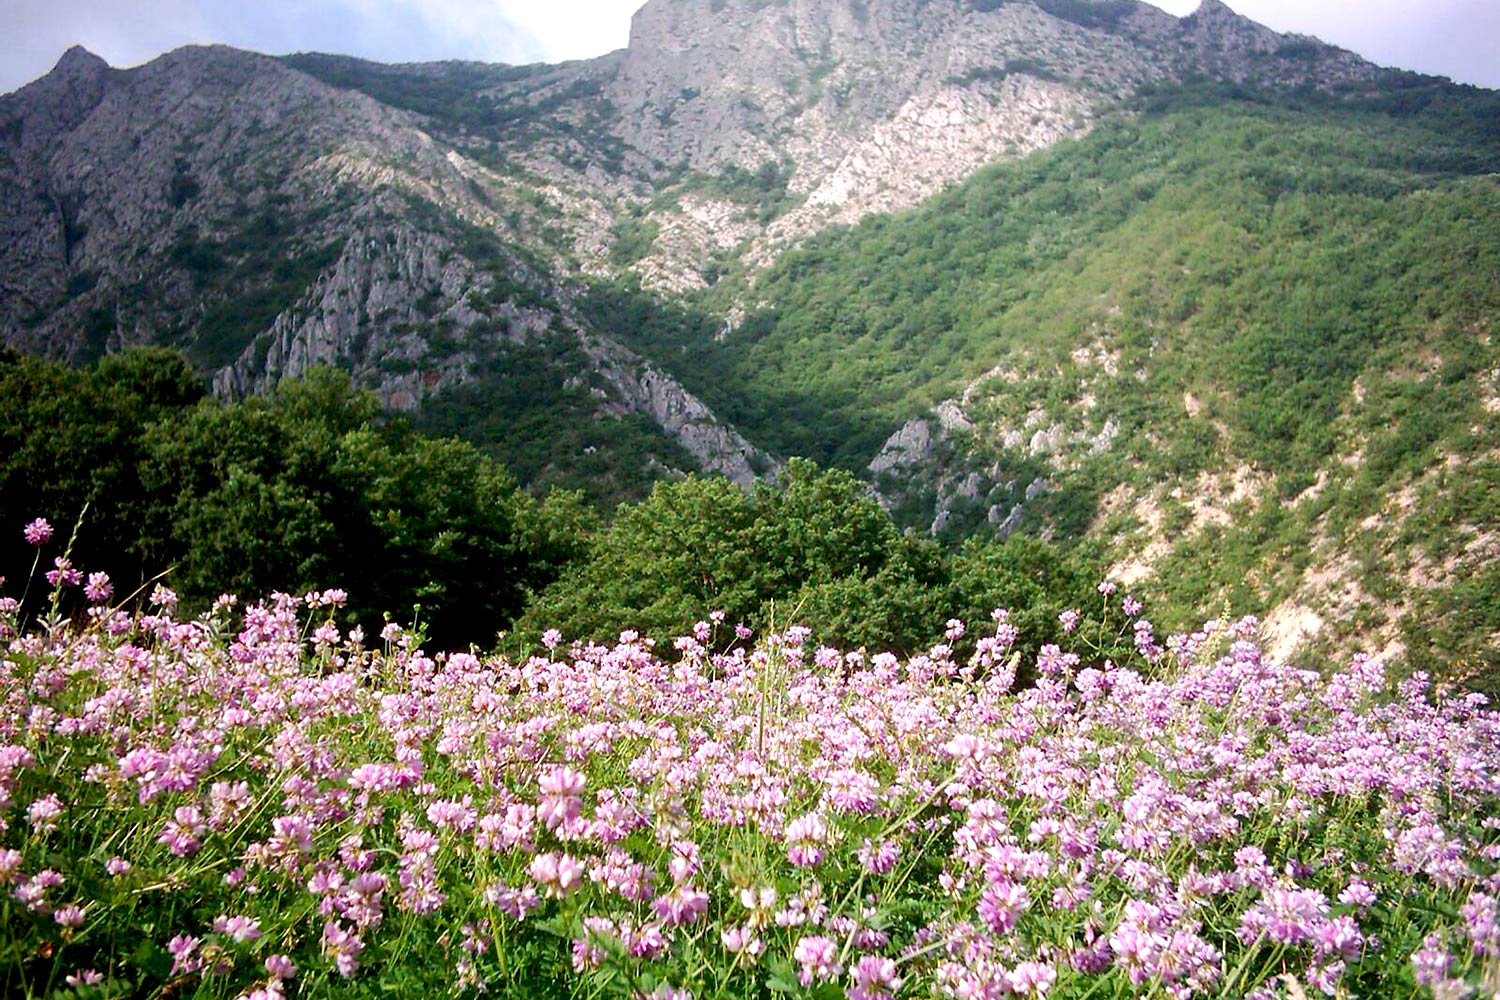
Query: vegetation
x=313, y=483
x=811, y=548
x=1293, y=288
x=655, y=736
x=268, y=802
x=763, y=191
x=481, y=104
x=1263, y=255
x=1297, y=288
x=273, y=494
x=532, y=406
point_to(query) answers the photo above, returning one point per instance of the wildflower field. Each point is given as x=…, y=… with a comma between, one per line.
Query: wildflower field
x=260, y=801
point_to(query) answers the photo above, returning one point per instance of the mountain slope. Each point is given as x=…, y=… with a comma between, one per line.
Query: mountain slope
x=224, y=202
x=1246, y=349
x=1215, y=300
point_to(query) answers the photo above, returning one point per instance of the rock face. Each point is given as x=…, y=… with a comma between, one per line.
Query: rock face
x=875, y=105
x=165, y=203
x=410, y=223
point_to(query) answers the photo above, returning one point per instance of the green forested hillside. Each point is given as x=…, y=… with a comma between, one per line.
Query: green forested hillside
x=1265, y=253
x=311, y=487
x=1299, y=295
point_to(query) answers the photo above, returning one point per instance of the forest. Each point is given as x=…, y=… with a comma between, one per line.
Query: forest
x=313, y=486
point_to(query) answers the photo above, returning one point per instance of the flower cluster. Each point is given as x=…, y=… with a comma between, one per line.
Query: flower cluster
x=1200, y=822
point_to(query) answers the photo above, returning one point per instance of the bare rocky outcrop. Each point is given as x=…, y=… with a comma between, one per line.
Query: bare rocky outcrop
x=877, y=104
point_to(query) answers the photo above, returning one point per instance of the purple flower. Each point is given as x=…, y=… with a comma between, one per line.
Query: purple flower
x=682, y=905
x=818, y=957
x=874, y=978
x=38, y=532
x=184, y=952
x=98, y=588
x=64, y=575
x=1482, y=923
x=1431, y=962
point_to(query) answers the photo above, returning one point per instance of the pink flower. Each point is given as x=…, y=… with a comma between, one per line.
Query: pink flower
x=558, y=874
x=343, y=946
x=64, y=575
x=43, y=813
x=1032, y=979
x=99, y=589
x=181, y=833
x=457, y=815
x=878, y=859
x=561, y=802
x=804, y=837
x=33, y=891
x=1001, y=905
x=280, y=966
x=1357, y=893
x=741, y=939
x=559, y=781
x=874, y=978
x=682, y=905
x=38, y=532
x=238, y=929
x=818, y=957
x=184, y=952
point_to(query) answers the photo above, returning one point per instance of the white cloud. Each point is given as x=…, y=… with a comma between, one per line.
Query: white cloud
x=574, y=29
x=472, y=29
x=1457, y=38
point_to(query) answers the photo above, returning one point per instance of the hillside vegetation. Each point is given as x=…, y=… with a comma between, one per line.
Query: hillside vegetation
x=1215, y=290
x=149, y=482
x=263, y=802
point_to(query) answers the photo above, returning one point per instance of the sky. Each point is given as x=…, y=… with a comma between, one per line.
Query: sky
x=1455, y=38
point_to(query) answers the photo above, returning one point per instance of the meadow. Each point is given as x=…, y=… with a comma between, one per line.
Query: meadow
x=260, y=800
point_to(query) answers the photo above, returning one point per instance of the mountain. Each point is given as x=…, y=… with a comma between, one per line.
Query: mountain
x=1212, y=299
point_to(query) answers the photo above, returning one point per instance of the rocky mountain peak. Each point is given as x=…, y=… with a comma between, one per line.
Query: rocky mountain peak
x=56, y=103
x=79, y=61
x=1216, y=25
